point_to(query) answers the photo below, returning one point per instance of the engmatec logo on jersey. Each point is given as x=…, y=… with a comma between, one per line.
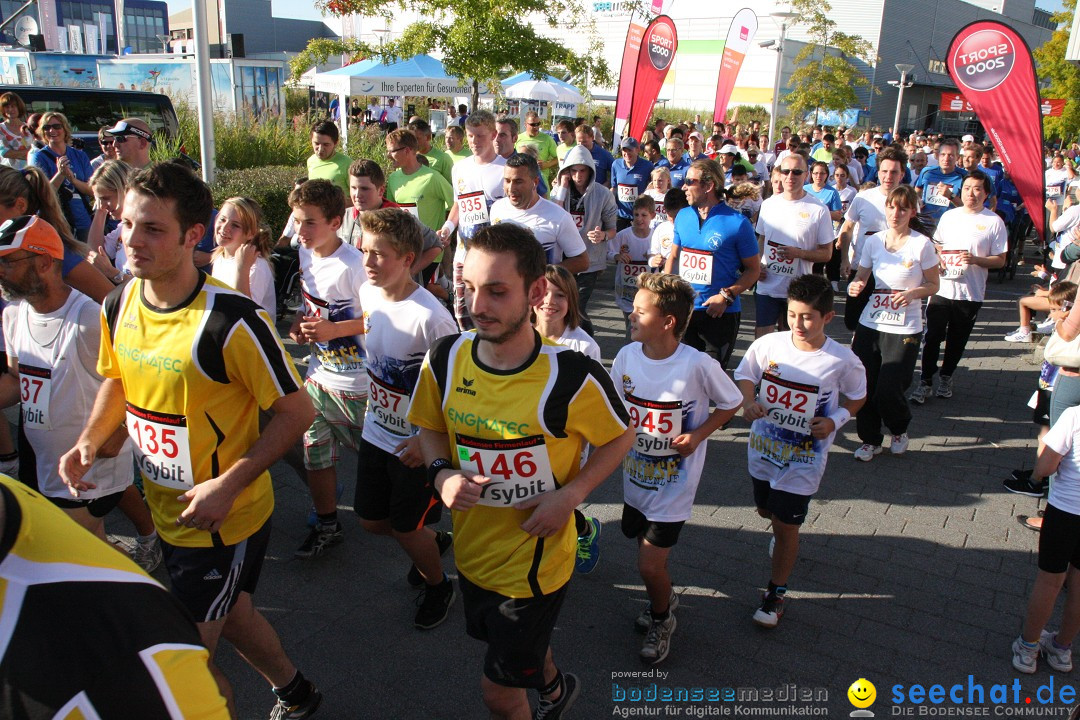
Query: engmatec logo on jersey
x=984, y=60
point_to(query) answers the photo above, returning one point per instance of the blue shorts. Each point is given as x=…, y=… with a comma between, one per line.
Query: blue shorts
x=770, y=311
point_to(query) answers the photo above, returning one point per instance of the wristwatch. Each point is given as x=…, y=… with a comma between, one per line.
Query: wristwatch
x=437, y=466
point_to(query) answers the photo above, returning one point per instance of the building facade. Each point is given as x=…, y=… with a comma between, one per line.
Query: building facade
x=92, y=21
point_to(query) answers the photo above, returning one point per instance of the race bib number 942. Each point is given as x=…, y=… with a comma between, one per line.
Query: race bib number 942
x=518, y=468
x=161, y=447
x=788, y=404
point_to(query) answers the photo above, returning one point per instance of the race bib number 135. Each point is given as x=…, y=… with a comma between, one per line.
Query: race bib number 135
x=161, y=447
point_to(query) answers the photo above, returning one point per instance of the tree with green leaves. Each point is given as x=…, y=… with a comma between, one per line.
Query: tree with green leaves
x=1064, y=76
x=823, y=80
x=478, y=39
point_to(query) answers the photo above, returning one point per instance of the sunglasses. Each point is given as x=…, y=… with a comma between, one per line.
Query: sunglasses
x=52, y=127
x=536, y=124
x=105, y=143
x=792, y=171
x=120, y=139
x=692, y=182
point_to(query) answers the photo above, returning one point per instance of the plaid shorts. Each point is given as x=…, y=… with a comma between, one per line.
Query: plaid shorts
x=339, y=420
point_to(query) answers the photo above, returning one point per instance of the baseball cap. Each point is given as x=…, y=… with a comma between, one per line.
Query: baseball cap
x=30, y=233
x=968, y=138
x=628, y=142
x=729, y=150
x=697, y=135
x=127, y=127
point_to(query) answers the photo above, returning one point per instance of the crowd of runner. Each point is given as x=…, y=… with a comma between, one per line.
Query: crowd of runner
x=445, y=309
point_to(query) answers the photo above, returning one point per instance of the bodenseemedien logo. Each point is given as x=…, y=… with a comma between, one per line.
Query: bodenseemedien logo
x=862, y=694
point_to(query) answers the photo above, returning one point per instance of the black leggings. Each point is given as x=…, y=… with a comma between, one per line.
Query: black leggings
x=950, y=321
x=889, y=360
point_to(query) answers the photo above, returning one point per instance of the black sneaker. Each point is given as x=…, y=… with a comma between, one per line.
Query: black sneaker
x=771, y=610
x=320, y=539
x=444, y=540
x=553, y=710
x=1023, y=486
x=435, y=602
x=305, y=709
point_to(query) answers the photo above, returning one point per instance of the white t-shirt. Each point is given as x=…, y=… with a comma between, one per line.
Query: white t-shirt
x=982, y=234
x=260, y=278
x=1065, y=488
x=901, y=270
x=867, y=211
x=802, y=223
x=476, y=187
x=114, y=248
x=553, y=227
x=397, y=335
x=667, y=398
x=661, y=213
x=626, y=273
x=795, y=386
x=1067, y=220
x=663, y=237
x=578, y=339
x=1055, y=182
x=331, y=287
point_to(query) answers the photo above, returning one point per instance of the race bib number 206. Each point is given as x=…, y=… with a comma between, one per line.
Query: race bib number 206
x=518, y=468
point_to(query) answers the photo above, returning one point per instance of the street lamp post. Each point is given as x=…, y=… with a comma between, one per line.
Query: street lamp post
x=783, y=16
x=903, y=69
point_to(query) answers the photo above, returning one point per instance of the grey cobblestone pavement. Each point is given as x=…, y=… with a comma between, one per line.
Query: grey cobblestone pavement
x=912, y=570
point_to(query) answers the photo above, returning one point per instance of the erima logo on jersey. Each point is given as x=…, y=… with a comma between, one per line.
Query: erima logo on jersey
x=212, y=575
x=130, y=321
x=465, y=386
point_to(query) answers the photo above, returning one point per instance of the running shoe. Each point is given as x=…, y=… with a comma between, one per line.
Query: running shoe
x=435, y=602
x=313, y=517
x=320, y=539
x=644, y=621
x=305, y=709
x=921, y=394
x=588, y=548
x=555, y=709
x=147, y=555
x=444, y=540
x=867, y=452
x=1046, y=327
x=1058, y=658
x=771, y=610
x=658, y=640
x=899, y=444
x=1022, y=485
x=944, y=387
x=1019, y=335
x=1025, y=658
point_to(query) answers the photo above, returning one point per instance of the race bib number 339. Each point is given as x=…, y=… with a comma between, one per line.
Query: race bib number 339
x=518, y=468
x=161, y=447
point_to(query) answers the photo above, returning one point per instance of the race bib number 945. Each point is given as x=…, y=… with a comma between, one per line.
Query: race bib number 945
x=161, y=447
x=657, y=424
x=518, y=469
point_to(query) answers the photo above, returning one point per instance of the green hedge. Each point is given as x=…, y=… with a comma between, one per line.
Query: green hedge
x=269, y=186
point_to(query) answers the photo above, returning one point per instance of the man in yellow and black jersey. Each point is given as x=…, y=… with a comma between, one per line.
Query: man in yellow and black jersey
x=503, y=417
x=187, y=364
x=86, y=632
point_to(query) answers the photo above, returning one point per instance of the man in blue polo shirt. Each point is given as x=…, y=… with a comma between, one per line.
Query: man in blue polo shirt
x=716, y=251
x=674, y=161
x=630, y=176
x=940, y=186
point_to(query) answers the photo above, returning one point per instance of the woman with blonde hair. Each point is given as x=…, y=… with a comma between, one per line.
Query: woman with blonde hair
x=68, y=169
x=108, y=254
x=241, y=259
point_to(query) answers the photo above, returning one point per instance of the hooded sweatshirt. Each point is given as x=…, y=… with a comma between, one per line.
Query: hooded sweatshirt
x=595, y=208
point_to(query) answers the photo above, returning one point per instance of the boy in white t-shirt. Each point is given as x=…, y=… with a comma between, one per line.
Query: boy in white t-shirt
x=331, y=273
x=1059, y=552
x=667, y=388
x=663, y=235
x=401, y=321
x=792, y=383
x=630, y=251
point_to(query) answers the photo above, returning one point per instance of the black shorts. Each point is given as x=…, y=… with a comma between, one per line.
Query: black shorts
x=517, y=632
x=714, y=336
x=1041, y=414
x=208, y=581
x=1059, y=541
x=386, y=489
x=98, y=507
x=787, y=507
x=660, y=534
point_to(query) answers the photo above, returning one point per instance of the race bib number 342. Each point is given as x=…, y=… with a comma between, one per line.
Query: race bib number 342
x=518, y=468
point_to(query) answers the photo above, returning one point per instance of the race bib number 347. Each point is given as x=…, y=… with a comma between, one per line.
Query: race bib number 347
x=518, y=468
x=161, y=447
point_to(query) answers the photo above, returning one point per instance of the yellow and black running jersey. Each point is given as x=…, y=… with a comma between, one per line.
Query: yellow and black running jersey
x=194, y=378
x=525, y=430
x=84, y=633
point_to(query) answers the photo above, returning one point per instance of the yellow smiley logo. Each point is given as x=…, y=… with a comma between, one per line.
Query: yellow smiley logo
x=862, y=693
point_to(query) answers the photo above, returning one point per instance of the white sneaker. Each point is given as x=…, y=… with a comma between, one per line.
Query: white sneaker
x=867, y=452
x=920, y=394
x=899, y=444
x=1024, y=659
x=1045, y=328
x=1058, y=658
x=1019, y=335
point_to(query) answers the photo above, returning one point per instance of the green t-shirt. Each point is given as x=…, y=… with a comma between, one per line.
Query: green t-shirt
x=439, y=161
x=561, y=151
x=822, y=155
x=426, y=189
x=336, y=170
x=457, y=157
x=545, y=148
